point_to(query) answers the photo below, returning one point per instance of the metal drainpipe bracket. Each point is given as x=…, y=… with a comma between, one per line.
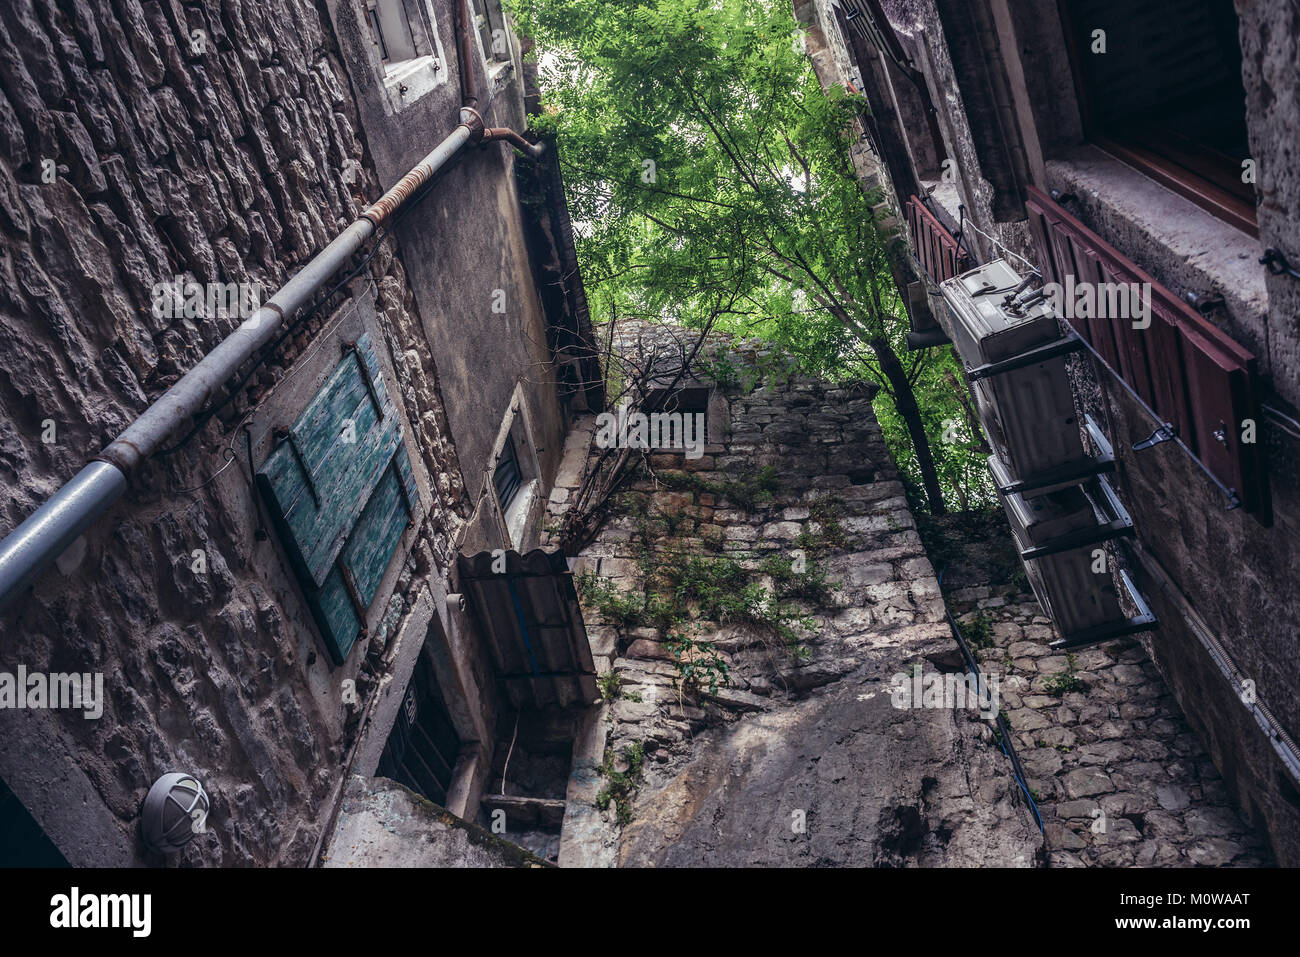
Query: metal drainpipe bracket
x=472, y=120
x=1278, y=264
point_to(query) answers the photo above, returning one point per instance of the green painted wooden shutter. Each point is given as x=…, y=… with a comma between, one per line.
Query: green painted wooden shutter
x=340, y=491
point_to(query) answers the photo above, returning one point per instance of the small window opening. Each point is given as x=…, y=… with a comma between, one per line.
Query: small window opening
x=507, y=476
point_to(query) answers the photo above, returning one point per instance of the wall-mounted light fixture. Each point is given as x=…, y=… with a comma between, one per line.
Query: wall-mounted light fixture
x=174, y=810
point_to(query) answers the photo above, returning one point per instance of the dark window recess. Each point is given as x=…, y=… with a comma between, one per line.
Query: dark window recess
x=692, y=400
x=937, y=250
x=423, y=745
x=1189, y=372
x=379, y=33
x=340, y=491
x=1167, y=95
x=506, y=476
x=22, y=842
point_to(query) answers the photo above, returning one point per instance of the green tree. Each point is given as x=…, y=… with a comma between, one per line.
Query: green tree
x=711, y=179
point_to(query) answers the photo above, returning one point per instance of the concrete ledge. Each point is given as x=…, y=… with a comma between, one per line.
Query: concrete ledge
x=1181, y=245
x=383, y=824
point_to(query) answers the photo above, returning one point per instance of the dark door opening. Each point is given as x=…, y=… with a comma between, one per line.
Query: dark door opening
x=423, y=746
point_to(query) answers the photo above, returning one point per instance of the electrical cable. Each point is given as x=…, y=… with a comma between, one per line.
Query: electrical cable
x=1004, y=732
x=995, y=241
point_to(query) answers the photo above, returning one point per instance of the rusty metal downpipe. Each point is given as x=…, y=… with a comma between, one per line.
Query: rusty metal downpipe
x=34, y=545
x=464, y=52
x=464, y=23
x=504, y=134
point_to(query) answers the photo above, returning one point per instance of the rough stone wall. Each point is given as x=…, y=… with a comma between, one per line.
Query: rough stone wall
x=1246, y=601
x=219, y=142
x=727, y=771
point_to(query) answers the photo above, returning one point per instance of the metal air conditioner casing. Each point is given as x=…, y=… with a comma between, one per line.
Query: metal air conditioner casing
x=1073, y=595
x=984, y=329
x=1028, y=413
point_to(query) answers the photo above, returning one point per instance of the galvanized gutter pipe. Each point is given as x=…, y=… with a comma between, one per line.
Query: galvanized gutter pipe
x=31, y=547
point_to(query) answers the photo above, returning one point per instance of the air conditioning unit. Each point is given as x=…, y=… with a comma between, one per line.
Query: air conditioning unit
x=1058, y=501
x=1059, y=535
x=1027, y=410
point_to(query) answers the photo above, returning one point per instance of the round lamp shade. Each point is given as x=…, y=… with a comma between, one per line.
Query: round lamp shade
x=175, y=809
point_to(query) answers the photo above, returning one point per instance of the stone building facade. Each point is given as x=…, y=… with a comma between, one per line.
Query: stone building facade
x=150, y=148
x=1016, y=125
x=724, y=742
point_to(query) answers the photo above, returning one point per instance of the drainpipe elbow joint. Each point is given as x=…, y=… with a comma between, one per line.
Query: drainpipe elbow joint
x=472, y=120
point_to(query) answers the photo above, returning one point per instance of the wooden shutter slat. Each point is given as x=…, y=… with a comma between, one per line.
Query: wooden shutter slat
x=1167, y=368
x=1191, y=373
x=375, y=537
x=339, y=506
x=335, y=614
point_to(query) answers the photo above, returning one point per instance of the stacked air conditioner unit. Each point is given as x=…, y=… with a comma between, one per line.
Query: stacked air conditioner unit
x=1057, y=497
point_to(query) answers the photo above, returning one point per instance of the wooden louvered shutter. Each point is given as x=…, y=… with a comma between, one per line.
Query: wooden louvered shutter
x=937, y=250
x=1190, y=372
x=340, y=491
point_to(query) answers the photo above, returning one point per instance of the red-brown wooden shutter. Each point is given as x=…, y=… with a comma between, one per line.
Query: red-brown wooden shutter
x=1185, y=368
x=938, y=252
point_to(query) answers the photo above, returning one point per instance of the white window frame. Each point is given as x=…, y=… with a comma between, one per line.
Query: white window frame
x=516, y=520
x=407, y=49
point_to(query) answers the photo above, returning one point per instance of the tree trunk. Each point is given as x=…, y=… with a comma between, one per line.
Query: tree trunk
x=905, y=402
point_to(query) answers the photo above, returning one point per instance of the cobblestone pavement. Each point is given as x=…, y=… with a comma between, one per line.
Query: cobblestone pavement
x=1121, y=780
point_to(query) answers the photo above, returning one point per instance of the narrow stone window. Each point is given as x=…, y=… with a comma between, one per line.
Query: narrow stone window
x=506, y=478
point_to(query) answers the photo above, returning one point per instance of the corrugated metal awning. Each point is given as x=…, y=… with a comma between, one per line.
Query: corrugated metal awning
x=531, y=619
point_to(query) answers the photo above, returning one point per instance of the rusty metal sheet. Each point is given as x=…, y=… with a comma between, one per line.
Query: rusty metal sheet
x=533, y=625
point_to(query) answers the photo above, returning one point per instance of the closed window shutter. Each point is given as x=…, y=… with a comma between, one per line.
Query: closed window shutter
x=340, y=491
x=938, y=252
x=1190, y=372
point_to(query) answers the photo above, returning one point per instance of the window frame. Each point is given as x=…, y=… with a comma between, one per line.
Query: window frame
x=1195, y=173
x=408, y=79
x=513, y=516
